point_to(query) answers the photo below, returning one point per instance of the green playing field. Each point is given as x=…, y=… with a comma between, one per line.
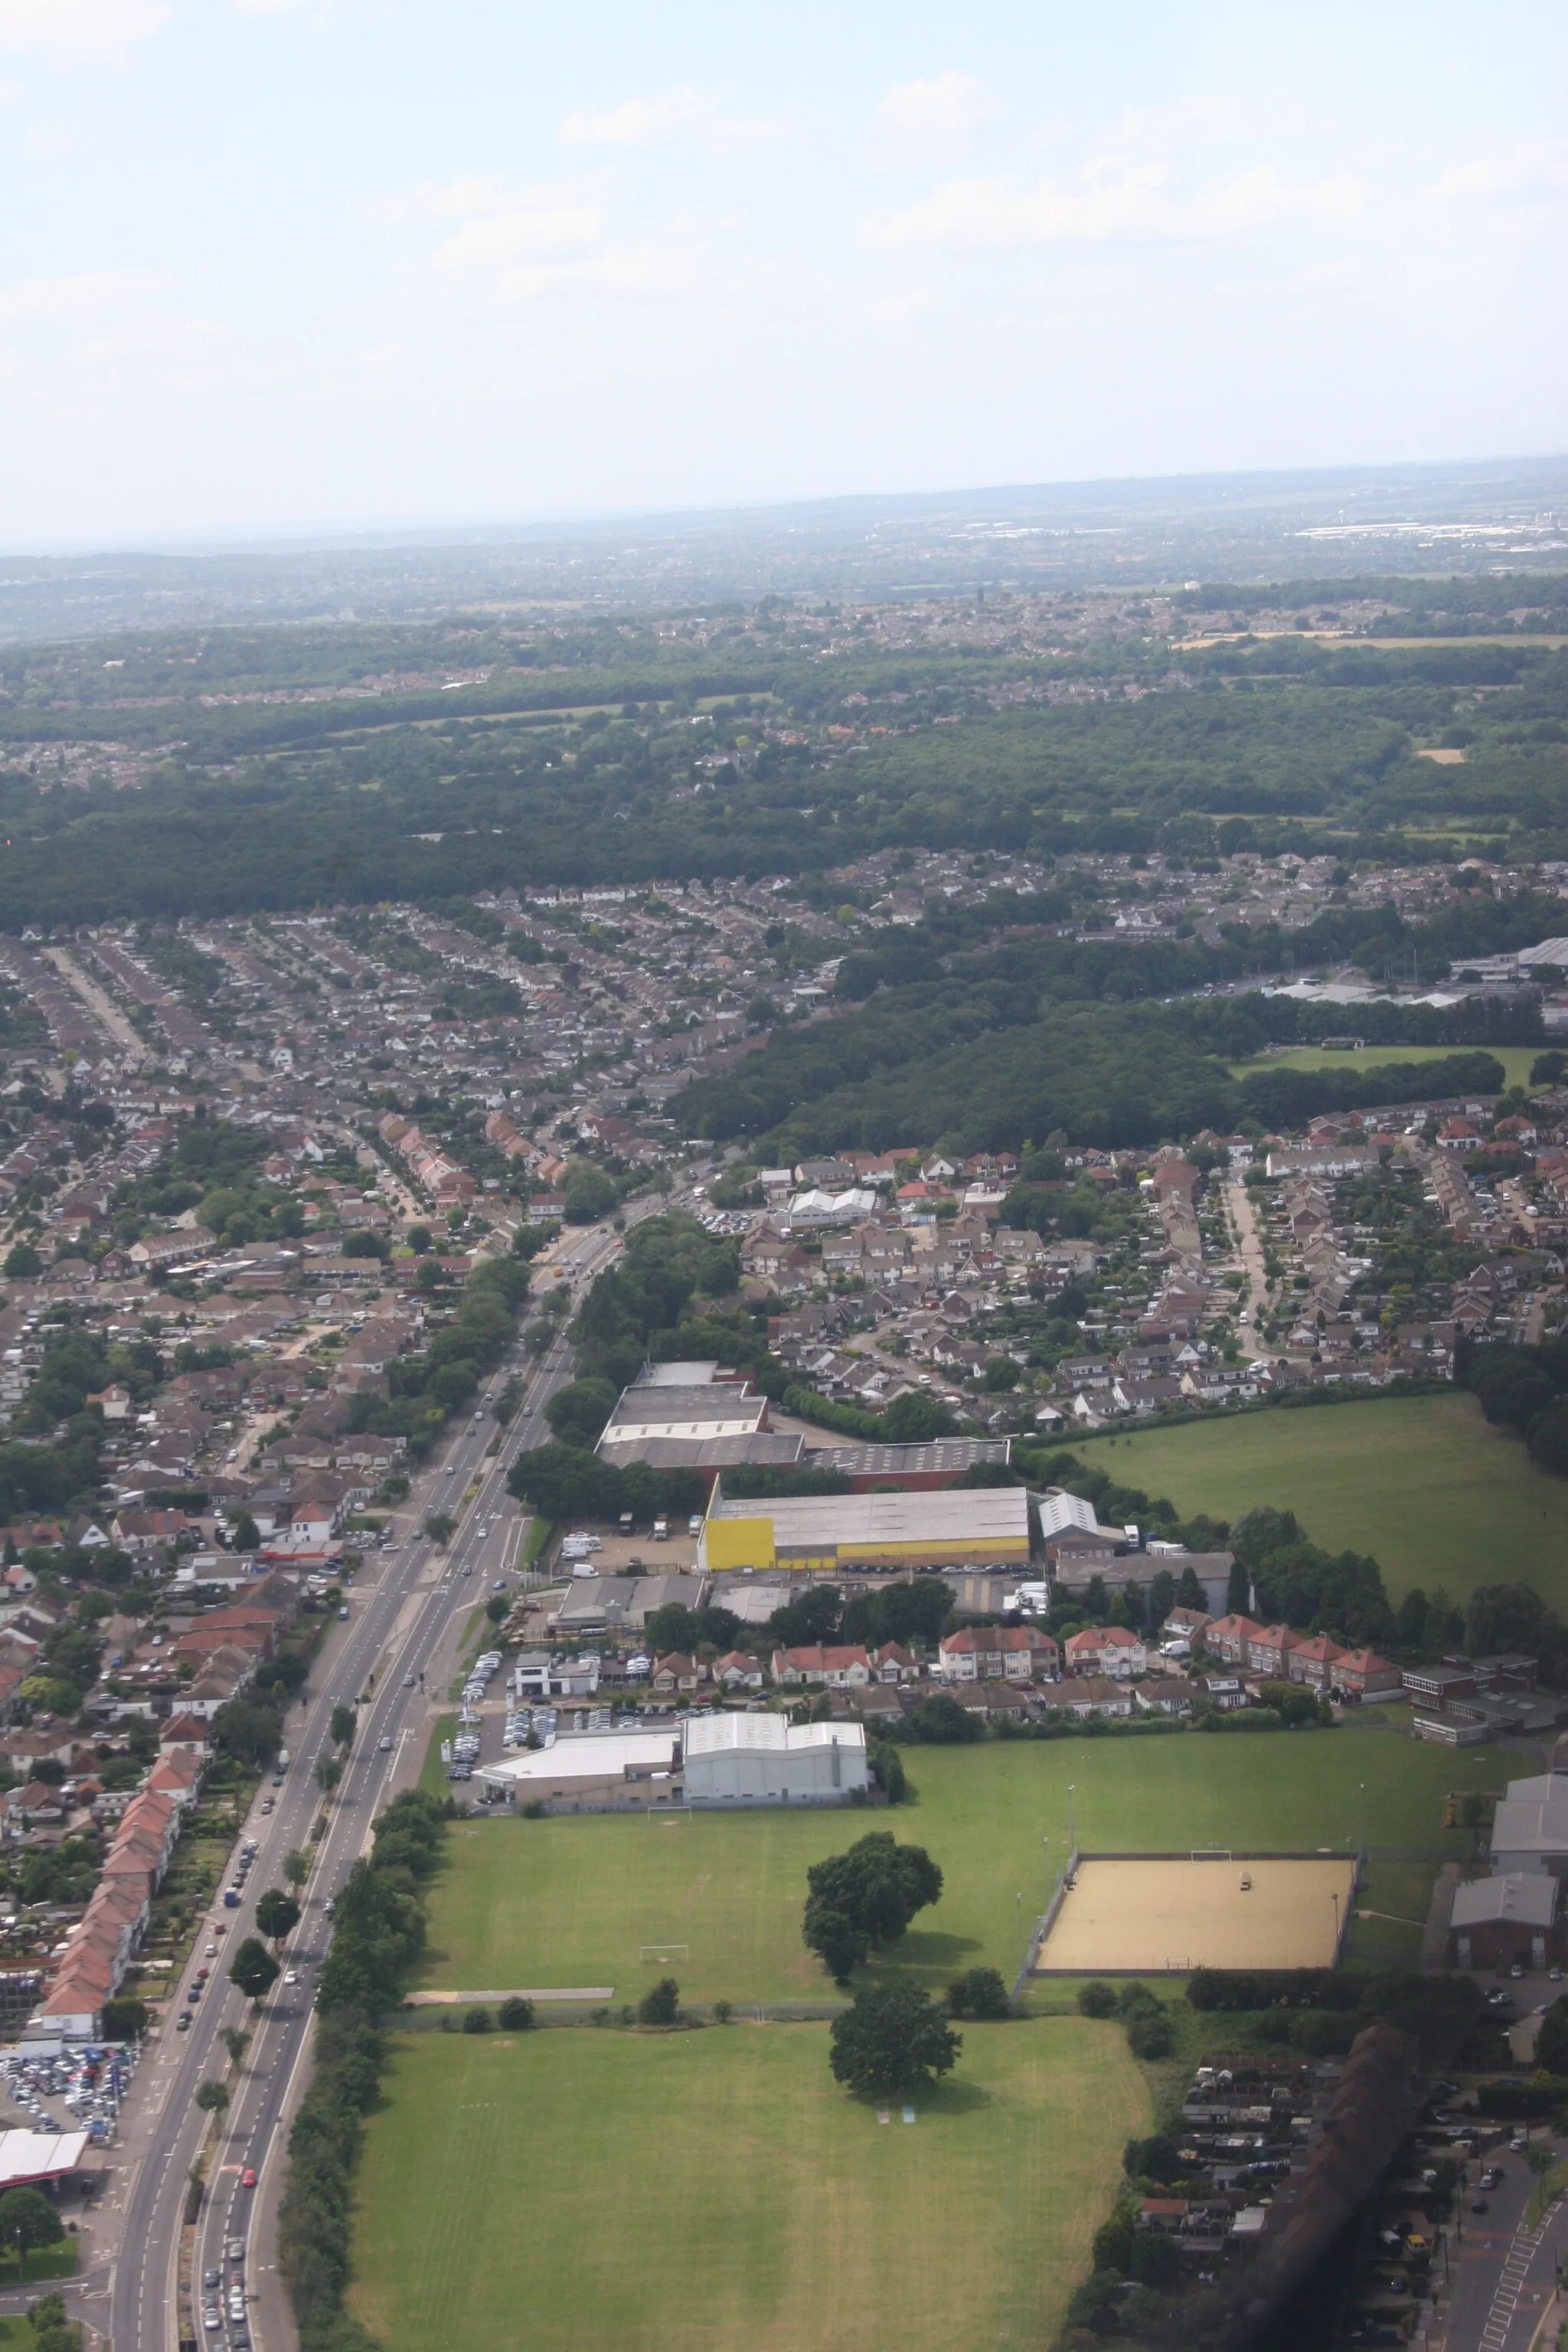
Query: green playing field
x=690, y=2192
x=576, y=1901
x=1422, y=1483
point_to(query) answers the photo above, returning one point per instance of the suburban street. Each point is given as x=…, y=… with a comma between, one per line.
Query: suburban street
x=402, y=1610
x=1501, y=2274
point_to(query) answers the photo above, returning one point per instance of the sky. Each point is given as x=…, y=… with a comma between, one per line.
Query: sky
x=274, y=266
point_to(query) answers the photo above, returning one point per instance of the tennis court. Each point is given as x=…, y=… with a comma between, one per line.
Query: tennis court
x=1138, y=1915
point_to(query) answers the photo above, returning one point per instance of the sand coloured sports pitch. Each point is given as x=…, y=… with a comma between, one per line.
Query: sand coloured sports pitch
x=1134, y=1916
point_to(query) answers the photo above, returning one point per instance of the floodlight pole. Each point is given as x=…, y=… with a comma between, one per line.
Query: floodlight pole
x=1334, y=1899
x=1365, y=1825
x=1018, y=1924
x=1072, y=1824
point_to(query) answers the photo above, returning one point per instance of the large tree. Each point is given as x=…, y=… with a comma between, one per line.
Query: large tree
x=894, y=2040
x=277, y=1915
x=866, y=1898
x=253, y=1968
x=28, y=2219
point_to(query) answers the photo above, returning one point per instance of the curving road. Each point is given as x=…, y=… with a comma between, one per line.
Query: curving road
x=395, y=1629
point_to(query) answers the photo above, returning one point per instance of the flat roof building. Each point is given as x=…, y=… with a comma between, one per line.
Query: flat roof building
x=762, y=1760
x=829, y=1533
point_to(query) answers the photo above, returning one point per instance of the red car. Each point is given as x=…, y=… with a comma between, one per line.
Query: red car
x=247, y=2178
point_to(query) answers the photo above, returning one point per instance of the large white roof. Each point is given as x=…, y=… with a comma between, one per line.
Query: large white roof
x=26, y=2155
x=1060, y=1512
x=591, y=1755
x=728, y=1735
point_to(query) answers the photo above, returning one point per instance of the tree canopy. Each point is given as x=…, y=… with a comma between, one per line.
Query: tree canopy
x=864, y=1898
x=891, y=2041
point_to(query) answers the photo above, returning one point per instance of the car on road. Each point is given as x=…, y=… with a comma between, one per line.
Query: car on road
x=290, y=1976
x=234, y=2248
x=384, y=1743
x=1480, y=2205
x=211, y=2319
x=212, y=1951
x=247, y=2178
x=1492, y=2177
x=182, y=2022
x=212, y=2278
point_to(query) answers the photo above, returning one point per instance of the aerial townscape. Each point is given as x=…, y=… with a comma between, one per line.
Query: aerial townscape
x=783, y=1253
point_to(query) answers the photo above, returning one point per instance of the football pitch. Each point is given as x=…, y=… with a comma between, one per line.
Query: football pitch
x=1422, y=1483
x=594, y=1899
x=692, y=2192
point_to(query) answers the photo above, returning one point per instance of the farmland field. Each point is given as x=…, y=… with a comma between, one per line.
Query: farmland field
x=1421, y=1482
x=688, y=2191
x=573, y=1900
x=1516, y=1059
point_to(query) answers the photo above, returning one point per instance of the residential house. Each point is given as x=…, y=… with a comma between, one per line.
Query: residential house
x=983, y=1653
x=1111, y=1650
x=842, y=1667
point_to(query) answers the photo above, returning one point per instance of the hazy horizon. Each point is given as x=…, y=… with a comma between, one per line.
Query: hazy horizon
x=306, y=268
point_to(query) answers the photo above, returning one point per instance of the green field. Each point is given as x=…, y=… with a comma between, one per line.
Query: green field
x=573, y=1900
x=1516, y=1059
x=692, y=2192
x=1422, y=1483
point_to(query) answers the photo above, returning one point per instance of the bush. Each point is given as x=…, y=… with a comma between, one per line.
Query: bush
x=941, y=1722
x=516, y=2015
x=1113, y=2245
x=722, y=2012
x=1156, y=2259
x=477, y=2021
x=1096, y=1999
x=1150, y=2036
x=979, y=1993
x=1512, y=2102
x=1152, y=2160
x=660, y=2005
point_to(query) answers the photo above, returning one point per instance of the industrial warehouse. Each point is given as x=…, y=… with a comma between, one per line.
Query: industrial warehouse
x=982, y=1526
x=707, y=1760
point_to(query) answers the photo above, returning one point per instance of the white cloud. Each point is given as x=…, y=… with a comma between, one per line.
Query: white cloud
x=1526, y=175
x=88, y=295
x=1114, y=203
x=680, y=114
x=432, y=200
x=534, y=233
x=923, y=119
x=79, y=29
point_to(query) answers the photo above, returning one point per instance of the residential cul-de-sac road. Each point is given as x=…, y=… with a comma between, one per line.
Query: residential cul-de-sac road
x=402, y=1616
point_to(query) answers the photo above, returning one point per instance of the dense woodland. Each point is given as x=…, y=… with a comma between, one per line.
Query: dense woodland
x=684, y=758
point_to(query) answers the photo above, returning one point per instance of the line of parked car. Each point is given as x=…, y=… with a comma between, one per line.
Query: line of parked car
x=214, y=2285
